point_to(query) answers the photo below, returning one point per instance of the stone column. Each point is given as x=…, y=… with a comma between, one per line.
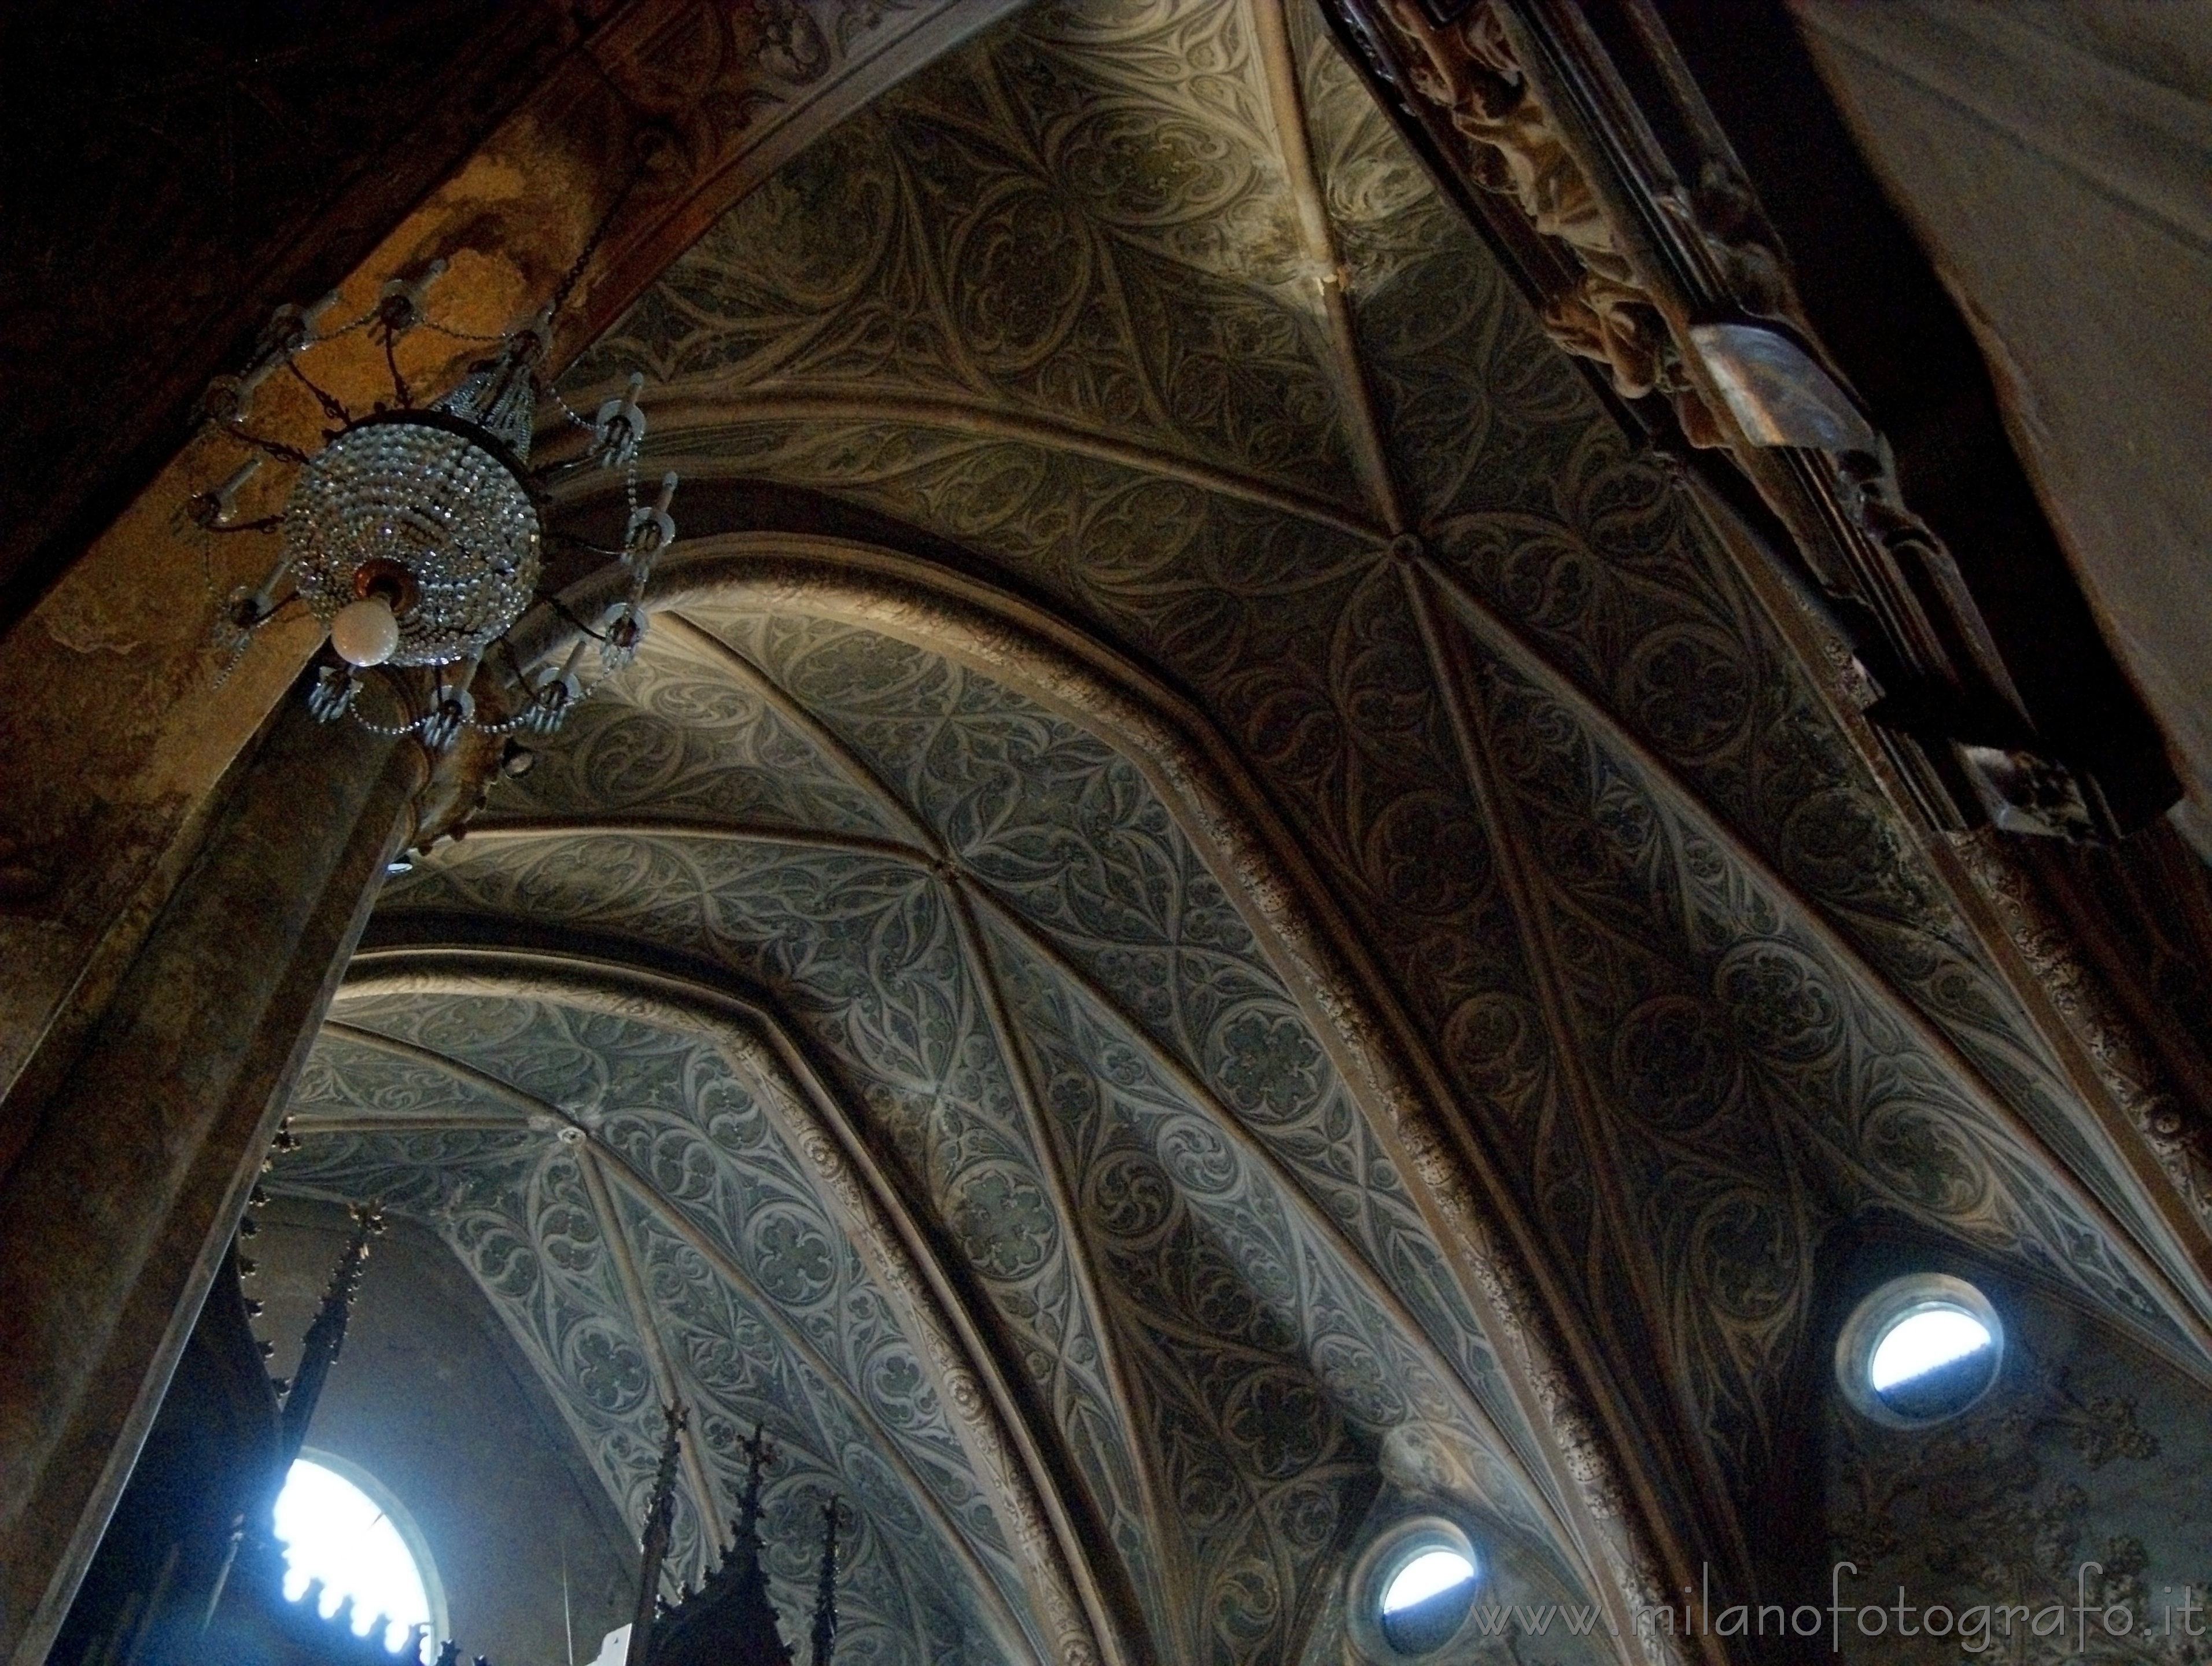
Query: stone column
x=137, y=1163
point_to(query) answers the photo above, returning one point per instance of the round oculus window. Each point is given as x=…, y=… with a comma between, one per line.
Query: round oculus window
x=1424, y=1602
x=1919, y=1349
x=1412, y=1590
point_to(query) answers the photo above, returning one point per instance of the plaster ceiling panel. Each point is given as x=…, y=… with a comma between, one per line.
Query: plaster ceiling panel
x=418, y=1172
x=1259, y=1470
x=899, y=1588
x=1745, y=1070
x=1090, y=77
x=1540, y=517
x=1166, y=553
x=1080, y=219
x=1301, y=644
x=1478, y=408
x=1612, y=586
x=1589, y=819
x=545, y=1065
x=677, y=736
x=1595, y=570
x=519, y=1215
x=1023, y=916
x=348, y=1078
x=1181, y=1196
x=1381, y=201
x=1077, y=860
x=1282, y=616
x=684, y=1123
x=758, y=1300
x=865, y=953
x=1539, y=505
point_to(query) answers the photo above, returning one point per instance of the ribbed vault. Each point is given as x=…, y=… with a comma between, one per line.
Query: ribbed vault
x=1020, y=1120
x=1336, y=944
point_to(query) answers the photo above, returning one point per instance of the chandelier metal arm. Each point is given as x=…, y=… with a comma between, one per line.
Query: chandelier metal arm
x=569, y=540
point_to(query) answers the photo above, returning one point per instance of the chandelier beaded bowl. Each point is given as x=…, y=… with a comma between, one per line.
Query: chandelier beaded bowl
x=414, y=535
x=446, y=525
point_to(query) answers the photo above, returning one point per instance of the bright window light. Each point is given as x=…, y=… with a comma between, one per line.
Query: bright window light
x=1918, y=1349
x=1431, y=1573
x=334, y=1531
x=1924, y=1340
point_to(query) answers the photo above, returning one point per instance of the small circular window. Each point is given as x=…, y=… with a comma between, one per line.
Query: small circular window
x=1412, y=1590
x=1919, y=1349
x=1425, y=1602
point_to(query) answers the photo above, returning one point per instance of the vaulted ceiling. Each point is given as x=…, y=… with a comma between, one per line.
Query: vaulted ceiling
x=889, y=1067
x=1214, y=902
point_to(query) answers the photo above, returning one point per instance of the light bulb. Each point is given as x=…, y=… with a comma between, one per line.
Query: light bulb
x=365, y=633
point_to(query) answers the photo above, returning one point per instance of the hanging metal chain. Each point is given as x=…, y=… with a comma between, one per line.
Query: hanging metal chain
x=650, y=141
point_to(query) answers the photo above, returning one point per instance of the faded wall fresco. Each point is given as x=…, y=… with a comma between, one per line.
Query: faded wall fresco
x=2079, y=1490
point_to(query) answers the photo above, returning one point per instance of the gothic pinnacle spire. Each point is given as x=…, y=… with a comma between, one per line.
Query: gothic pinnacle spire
x=825, y=1587
x=660, y=1517
x=326, y=1335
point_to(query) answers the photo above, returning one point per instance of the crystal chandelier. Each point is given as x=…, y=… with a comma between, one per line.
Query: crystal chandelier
x=415, y=534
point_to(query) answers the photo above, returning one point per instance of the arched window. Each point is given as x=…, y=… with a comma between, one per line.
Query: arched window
x=340, y=1526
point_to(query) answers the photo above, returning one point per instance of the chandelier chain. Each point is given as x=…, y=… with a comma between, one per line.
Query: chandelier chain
x=331, y=408
x=451, y=334
x=399, y=388
x=345, y=329
x=571, y=278
x=569, y=410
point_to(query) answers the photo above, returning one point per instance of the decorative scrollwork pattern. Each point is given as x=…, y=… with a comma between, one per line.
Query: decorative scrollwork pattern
x=1683, y=995
x=693, y=1156
x=1116, y=956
